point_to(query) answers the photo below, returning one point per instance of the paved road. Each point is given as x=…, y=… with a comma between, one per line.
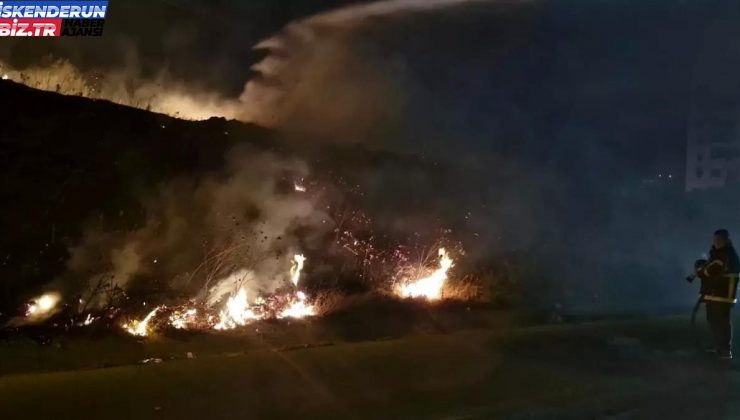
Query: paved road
x=644, y=369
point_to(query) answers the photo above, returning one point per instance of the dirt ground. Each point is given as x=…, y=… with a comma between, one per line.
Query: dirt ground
x=644, y=369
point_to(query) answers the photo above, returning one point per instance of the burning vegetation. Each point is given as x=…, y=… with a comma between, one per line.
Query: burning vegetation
x=43, y=306
x=237, y=310
x=227, y=312
x=221, y=252
x=262, y=239
x=429, y=287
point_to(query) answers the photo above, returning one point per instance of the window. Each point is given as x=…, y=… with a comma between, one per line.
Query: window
x=726, y=153
x=699, y=172
x=716, y=173
x=700, y=157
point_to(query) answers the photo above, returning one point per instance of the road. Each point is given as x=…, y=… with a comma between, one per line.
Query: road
x=620, y=370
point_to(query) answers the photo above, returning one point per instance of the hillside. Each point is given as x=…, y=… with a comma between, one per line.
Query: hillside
x=69, y=160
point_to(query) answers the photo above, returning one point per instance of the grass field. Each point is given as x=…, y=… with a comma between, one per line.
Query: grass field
x=626, y=369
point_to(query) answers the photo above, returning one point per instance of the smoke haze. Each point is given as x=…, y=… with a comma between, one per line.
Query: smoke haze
x=198, y=231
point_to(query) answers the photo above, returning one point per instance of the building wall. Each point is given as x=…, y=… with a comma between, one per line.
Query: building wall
x=713, y=150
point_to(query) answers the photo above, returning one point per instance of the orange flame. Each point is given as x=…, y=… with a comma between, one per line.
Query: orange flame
x=429, y=287
x=236, y=313
x=141, y=328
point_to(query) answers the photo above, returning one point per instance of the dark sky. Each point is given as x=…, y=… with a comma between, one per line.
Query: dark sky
x=205, y=41
x=624, y=75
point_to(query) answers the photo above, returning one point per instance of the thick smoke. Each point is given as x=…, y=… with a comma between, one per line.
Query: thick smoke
x=246, y=223
x=349, y=74
x=323, y=75
x=127, y=86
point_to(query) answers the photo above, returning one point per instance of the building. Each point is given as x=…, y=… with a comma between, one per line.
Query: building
x=713, y=149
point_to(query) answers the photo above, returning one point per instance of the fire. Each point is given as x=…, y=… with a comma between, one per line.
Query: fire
x=429, y=287
x=183, y=318
x=140, y=328
x=236, y=313
x=296, y=268
x=88, y=320
x=298, y=308
x=43, y=305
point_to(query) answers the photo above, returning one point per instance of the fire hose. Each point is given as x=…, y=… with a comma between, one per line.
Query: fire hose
x=697, y=305
x=697, y=266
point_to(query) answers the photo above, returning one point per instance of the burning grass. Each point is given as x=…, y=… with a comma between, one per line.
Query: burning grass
x=417, y=283
x=236, y=311
x=430, y=286
x=425, y=284
x=416, y=292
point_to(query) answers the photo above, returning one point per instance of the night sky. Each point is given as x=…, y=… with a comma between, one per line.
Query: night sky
x=493, y=76
x=623, y=73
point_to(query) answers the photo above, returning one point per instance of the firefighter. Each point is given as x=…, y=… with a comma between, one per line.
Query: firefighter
x=719, y=287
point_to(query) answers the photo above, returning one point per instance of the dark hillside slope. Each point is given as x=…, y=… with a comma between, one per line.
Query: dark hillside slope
x=69, y=161
x=66, y=159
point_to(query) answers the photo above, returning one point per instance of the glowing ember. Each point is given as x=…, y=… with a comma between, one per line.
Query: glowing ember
x=429, y=287
x=88, y=320
x=43, y=305
x=298, y=187
x=296, y=268
x=236, y=313
x=298, y=308
x=5, y=77
x=140, y=328
x=182, y=319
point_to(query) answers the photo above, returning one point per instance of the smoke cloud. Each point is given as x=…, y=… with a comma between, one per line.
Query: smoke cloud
x=126, y=86
x=244, y=224
x=330, y=75
x=354, y=74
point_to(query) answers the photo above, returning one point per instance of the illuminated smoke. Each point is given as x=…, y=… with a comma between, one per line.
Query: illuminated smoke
x=160, y=94
x=323, y=75
x=314, y=77
x=206, y=238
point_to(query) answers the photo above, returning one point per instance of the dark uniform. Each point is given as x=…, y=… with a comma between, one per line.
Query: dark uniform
x=719, y=290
